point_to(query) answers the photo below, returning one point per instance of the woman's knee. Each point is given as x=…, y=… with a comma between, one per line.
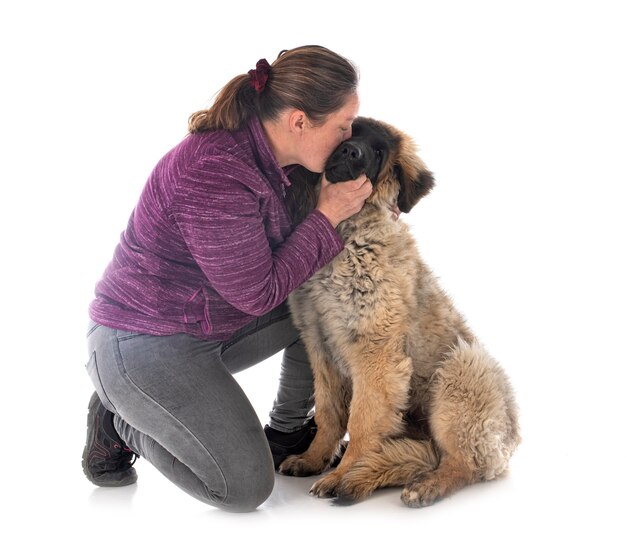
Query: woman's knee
x=249, y=484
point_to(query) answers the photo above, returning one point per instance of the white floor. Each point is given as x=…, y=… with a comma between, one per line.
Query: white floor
x=519, y=110
x=565, y=481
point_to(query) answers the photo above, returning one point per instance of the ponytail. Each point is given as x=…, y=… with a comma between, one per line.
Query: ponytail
x=232, y=107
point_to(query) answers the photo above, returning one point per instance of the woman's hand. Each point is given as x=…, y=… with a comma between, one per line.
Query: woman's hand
x=338, y=201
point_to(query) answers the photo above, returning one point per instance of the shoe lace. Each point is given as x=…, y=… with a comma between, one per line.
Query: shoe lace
x=116, y=458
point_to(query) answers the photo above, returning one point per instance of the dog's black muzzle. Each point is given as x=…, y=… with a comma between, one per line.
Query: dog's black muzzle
x=347, y=162
x=352, y=158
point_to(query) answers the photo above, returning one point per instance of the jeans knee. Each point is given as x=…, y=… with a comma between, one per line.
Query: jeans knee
x=249, y=488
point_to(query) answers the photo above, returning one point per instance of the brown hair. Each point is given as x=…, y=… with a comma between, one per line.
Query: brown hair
x=309, y=78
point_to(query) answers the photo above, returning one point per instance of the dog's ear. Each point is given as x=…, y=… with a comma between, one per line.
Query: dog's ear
x=415, y=179
x=301, y=196
x=413, y=186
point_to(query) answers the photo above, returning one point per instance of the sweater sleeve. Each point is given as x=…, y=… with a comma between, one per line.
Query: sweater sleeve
x=221, y=221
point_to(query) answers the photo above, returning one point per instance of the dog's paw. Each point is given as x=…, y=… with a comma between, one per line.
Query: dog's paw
x=422, y=493
x=327, y=486
x=358, y=483
x=300, y=466
x=347, y=485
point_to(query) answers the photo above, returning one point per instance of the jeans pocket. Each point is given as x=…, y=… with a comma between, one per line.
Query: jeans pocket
x=123, y=335
x=91, y=327
x=94, y=374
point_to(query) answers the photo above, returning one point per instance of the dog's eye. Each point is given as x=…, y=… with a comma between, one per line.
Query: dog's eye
x=379, y=153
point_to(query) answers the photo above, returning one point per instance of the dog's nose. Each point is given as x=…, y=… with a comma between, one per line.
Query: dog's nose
x=351, y=151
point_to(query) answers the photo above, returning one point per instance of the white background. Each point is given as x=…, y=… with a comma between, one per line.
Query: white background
x=519, y=109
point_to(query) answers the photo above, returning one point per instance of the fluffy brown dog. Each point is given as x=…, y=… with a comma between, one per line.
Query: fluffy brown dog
x=425, y=406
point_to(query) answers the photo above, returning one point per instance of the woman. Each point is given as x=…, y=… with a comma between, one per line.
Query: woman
x=197, y=286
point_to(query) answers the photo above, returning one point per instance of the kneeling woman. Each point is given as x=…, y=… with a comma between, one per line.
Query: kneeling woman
x=197, y=286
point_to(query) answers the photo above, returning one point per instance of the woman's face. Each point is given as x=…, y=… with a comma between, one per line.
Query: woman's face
x=319, y=141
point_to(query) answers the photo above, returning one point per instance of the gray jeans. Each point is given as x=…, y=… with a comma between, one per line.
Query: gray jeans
x=177, y=404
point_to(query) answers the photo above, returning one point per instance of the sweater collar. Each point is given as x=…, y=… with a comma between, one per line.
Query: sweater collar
x=265, y=156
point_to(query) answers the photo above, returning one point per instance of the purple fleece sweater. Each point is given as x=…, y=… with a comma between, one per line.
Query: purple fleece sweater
x=210, y=245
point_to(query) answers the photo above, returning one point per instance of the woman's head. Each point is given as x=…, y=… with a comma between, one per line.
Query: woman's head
x=311, y=79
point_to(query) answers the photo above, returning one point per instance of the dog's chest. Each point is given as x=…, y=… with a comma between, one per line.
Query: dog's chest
x=337, y=306
x=361, y=292
x=351, y=282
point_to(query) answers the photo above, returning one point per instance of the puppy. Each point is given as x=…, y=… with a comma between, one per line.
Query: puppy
x=395, y=365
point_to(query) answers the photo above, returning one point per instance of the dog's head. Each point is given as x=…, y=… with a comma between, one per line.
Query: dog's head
x=388, y=158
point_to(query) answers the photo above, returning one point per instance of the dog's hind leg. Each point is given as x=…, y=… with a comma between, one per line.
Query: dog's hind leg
x=473, y=419
x=398, y=461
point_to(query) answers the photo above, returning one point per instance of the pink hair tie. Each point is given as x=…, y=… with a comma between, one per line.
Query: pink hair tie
x=258, y=77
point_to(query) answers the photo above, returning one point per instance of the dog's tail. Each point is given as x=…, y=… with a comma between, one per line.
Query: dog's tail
x=397, y=462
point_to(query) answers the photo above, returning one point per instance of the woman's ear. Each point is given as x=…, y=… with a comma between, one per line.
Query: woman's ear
x=297, y=121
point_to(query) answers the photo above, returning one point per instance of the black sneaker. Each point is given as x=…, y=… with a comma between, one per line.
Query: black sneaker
x=107, y=461
x=284, y=444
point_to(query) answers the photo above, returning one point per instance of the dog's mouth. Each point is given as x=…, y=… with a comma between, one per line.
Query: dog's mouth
x=351, y=159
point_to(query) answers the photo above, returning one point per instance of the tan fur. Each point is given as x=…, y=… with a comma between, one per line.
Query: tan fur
x=425, y=406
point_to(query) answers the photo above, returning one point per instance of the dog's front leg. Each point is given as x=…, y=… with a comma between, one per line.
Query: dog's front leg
x=332, y=396
x=380, y=394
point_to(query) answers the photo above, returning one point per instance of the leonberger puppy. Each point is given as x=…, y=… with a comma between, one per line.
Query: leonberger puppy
x=395, y=365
